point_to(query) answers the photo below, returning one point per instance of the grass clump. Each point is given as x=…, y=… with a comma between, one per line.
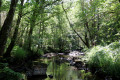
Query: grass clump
x=105, y=60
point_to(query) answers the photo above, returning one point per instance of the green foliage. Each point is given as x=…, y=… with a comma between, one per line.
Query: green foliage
x=40, y=52
x=8, y=74
x=106, y=59
x=115, y=45
x=2, y=65
x=19, y=53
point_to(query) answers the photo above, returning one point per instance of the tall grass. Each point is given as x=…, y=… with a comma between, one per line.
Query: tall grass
x=105, y=60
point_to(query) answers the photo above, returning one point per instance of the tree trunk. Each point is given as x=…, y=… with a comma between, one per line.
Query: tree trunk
x=0, y=11
x=32, y=24
x=20, y=39
x=39, y=38
x=71, y=25
x=6, y=26
x=0, y=4
x=13, y=40
x=87, y=40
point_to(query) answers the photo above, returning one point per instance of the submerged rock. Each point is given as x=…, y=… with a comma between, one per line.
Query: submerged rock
x=50, y=76
x=61, y=53
x=29, y=73
x=72, y=63
x=49, y=55
x=76, y=54
x=39, y=71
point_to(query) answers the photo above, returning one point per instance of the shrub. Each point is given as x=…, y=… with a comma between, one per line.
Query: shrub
x=114, y=45
x=40, y=52
x=8, y=74
x=19, y=53
x=105, y=60
x=2, y=65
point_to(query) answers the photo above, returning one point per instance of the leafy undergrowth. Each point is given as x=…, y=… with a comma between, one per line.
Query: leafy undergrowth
x=8, y=74
x=105, y=61
x=19, y=53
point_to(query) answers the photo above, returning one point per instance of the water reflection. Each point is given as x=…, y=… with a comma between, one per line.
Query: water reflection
x=62, y=71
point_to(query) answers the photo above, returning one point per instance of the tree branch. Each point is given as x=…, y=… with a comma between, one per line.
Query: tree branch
x=71, y=25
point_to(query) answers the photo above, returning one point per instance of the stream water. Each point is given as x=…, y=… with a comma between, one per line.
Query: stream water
x=62, y=71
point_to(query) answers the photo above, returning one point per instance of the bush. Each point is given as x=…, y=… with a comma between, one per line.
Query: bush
x=2, y=65
x=105, y=60
x=8, y=74
x=19, y=53
x=40, y=52
x=114, y=45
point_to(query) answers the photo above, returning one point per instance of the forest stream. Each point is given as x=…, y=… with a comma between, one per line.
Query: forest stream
x=59, y=39
x=58, y=69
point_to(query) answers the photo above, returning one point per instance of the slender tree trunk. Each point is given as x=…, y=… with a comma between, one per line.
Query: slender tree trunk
x=71, y=25
x=26, y=31
x=6, y=26
x=87, y=40
x=88, y=29
x=43, y=28
x=0, y=4
x=33, y=20
x=20, y=38
x=32, y=25
x=98, y=25
x=0, y=12
x=13, y=40
x=39, y=38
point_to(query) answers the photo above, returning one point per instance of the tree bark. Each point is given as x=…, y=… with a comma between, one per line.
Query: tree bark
x=0, y=3
x=0, y=11
x=87, y=40
x=32, y=25
x=6, y=26
x=13, y=40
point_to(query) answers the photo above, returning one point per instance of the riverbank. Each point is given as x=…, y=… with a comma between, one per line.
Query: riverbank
x=98, y=63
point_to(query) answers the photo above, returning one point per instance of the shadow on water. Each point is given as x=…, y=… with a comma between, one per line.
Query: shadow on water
x=62, y=71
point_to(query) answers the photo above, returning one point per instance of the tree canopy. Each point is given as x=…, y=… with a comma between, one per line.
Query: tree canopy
x=58, y=25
